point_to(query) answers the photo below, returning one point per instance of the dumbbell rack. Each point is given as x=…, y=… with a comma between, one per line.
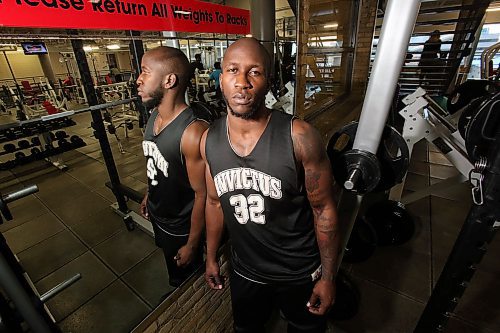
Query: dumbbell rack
x=40, y=132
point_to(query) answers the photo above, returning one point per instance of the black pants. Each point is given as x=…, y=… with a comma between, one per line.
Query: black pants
x=253, y=304
x=170, y=244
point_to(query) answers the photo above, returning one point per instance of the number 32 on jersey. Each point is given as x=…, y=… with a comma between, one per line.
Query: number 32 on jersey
x=248, y=208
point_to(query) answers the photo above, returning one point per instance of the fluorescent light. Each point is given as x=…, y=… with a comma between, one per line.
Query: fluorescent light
x=249, y=35
x=334, y=25
x=89, y=48
x=321, y=38
x=113, y=47
x=495, y=9
x=182, y=12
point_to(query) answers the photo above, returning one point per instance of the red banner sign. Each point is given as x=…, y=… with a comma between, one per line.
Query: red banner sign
x=161, y=15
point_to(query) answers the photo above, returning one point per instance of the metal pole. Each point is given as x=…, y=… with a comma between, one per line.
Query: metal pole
x=263, y=16
x=396, y=32
x=137, y=49
x=18, y=89
x=47, y=69
x=174, y=42
x=21, y=299
x=10, y=68
x=98, y=124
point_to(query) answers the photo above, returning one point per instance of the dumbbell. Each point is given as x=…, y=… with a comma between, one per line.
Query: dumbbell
x=40, y=128
x=61, y=135
x=27, y=131
x=49, y=147
x=64, y=144
x=9, y=147
x=36, y=153
x=8, y=165
x=10, y=134
x=23, y=144
x=35, y=141
x=111, y=129
x=107, y=117
x=76, y=141
x=20, y=157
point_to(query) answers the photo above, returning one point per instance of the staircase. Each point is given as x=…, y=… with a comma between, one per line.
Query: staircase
x=457, y=22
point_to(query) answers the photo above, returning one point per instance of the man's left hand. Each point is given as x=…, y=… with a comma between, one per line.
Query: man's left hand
x=322, y=298
x=184, y=255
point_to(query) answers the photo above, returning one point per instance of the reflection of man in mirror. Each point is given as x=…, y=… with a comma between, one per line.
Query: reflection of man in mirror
x=175, y=200
x=269, y=182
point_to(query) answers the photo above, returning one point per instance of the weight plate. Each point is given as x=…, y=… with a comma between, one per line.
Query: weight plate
x=204, y=112
x=392, y=154
x=480, y=132
x=391, y=221
x=394, y=158
x=468, y=91
x=468, y=112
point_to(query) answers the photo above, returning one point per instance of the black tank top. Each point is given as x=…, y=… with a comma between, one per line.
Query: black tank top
x=265, y=206
x=170, y=196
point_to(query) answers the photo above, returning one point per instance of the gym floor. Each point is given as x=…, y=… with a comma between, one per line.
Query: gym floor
x=68, y=228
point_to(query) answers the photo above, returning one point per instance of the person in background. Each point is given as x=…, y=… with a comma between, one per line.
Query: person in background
x=197, y=64
x=117, y=75
x=430, y=57
x=214, y=76
x=269, y=182
x=175, y=199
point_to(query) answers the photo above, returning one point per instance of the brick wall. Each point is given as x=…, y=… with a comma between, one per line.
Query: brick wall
x=367, y=16
x=193, y=307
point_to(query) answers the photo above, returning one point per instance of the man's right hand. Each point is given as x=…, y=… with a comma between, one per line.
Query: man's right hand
x=144, y=207
x=212, y=275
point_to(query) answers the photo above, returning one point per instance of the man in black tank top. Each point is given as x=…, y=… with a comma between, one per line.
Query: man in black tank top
x=269, y=181
x=175, y=200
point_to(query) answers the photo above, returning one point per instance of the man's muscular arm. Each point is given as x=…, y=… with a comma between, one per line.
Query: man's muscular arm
x=215, y=226
x=311, y=155
x=190, y=145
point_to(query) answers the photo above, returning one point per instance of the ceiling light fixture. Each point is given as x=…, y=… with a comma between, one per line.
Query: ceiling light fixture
x=113, y=47
x=89, y=48
x=334, y=25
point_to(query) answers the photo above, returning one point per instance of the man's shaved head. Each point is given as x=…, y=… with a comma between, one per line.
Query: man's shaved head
x=252, y=45
x=246, y=70
x=173, y=61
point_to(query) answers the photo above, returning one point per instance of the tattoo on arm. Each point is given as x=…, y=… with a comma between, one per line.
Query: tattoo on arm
x=312, y=181
x=317, y=180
